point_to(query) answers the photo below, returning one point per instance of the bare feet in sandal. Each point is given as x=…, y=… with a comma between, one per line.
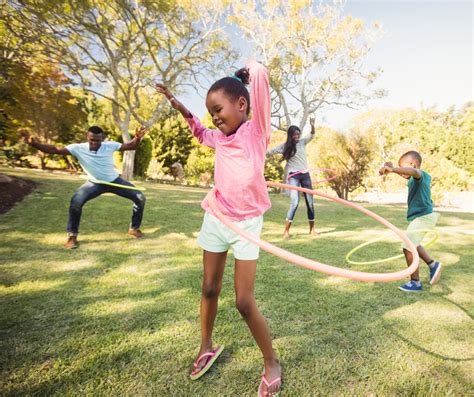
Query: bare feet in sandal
x=271, y=380
x=204, y=361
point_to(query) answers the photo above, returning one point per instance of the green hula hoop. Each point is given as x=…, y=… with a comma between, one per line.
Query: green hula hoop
x=360, y=246
x=117, y=185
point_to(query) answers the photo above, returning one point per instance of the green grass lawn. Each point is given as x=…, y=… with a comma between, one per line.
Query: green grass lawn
x=120, y=316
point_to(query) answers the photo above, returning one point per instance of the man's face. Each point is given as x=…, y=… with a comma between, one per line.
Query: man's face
x=94, y=140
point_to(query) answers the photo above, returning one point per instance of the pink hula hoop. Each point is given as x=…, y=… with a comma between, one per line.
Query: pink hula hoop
x=318, y=266
x=334, y=174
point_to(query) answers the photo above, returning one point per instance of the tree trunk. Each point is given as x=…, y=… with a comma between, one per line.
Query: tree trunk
x=346, y=194
x=43, y=161
x=127, y=168
x=128, y=155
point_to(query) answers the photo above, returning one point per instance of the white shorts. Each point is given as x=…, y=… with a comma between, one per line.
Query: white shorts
x=418, y=228
x=217, y=237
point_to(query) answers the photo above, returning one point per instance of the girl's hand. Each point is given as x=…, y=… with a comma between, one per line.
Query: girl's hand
x=162, y=89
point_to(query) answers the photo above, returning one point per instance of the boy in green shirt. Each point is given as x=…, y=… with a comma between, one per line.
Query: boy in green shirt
x=420, y=214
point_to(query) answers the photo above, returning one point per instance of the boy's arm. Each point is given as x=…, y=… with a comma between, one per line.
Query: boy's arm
x=408, y=171
x=260, y=98
x=50, y=149
x=133, y=144
x=204, y=135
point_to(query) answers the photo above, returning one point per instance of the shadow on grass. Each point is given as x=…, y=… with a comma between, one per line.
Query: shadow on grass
x=391, y=329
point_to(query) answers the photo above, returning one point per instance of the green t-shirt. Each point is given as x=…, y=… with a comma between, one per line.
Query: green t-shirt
x=419, y=196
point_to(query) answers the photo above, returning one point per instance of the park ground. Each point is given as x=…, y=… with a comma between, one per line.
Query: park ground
x=120, y=316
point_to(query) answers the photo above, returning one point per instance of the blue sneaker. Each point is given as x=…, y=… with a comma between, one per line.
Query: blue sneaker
x=411, y=286
x=435, y=272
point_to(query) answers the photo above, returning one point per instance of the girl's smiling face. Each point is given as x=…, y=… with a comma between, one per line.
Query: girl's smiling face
x=227, y=114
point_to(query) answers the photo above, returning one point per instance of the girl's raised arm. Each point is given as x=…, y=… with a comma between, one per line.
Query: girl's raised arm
x=260, y=98
x=162, y=89
x=204, y=135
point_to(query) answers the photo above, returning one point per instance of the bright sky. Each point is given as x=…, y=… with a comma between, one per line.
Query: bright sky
x=425, y=55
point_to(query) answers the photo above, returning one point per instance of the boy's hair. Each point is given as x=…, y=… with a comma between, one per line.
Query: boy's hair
x=414, y=155
x=96, y=130
x=234, y=87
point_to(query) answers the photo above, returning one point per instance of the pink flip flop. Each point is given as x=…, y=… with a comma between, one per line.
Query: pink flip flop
x=264, y=380
x=214, y=355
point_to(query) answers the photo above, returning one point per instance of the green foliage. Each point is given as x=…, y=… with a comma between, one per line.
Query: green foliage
x=446, y=177
x=35, y=95
x=460, y=150
x=459, y=146
x=200, y=165
x=98, y=112
x=274, y=166
x=172, y=139
x=274, y=170
x=40, y=101
x=143, y=156
x=16, y=155
x=349, y=155
x=444, y=140
x=120, y=49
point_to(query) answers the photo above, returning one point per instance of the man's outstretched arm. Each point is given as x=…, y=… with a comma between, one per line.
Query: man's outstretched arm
x=133, y=144
x=50, y=149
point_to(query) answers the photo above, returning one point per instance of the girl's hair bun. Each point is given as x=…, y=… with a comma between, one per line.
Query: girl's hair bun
x=243, y=75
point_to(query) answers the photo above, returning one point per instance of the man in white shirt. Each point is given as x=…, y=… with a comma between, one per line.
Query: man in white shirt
x=96, y=159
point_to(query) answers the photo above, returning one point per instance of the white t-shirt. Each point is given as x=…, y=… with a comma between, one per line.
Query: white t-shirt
x=97, y=165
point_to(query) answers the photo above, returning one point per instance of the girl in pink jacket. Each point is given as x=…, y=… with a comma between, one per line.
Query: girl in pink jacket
x=241, y=194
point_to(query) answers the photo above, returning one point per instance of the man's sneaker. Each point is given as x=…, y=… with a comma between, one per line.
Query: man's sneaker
x=135, y=233
x=411, y=286
x=435, y=272
x=71, y=242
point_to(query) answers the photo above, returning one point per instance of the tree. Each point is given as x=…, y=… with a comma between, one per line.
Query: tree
x=350, y=155
x=444, y=140
x=200, y=164
x=459, y=146
x=117, y=49
x=35, y=95
x=143, y=158
x=314, y=54
x=173, y=140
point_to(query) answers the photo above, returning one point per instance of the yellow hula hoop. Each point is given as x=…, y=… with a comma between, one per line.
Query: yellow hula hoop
x=360, y=246
x=117, y=185
x=112, y=184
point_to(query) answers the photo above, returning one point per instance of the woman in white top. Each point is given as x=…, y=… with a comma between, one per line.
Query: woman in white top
x=294, y=152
